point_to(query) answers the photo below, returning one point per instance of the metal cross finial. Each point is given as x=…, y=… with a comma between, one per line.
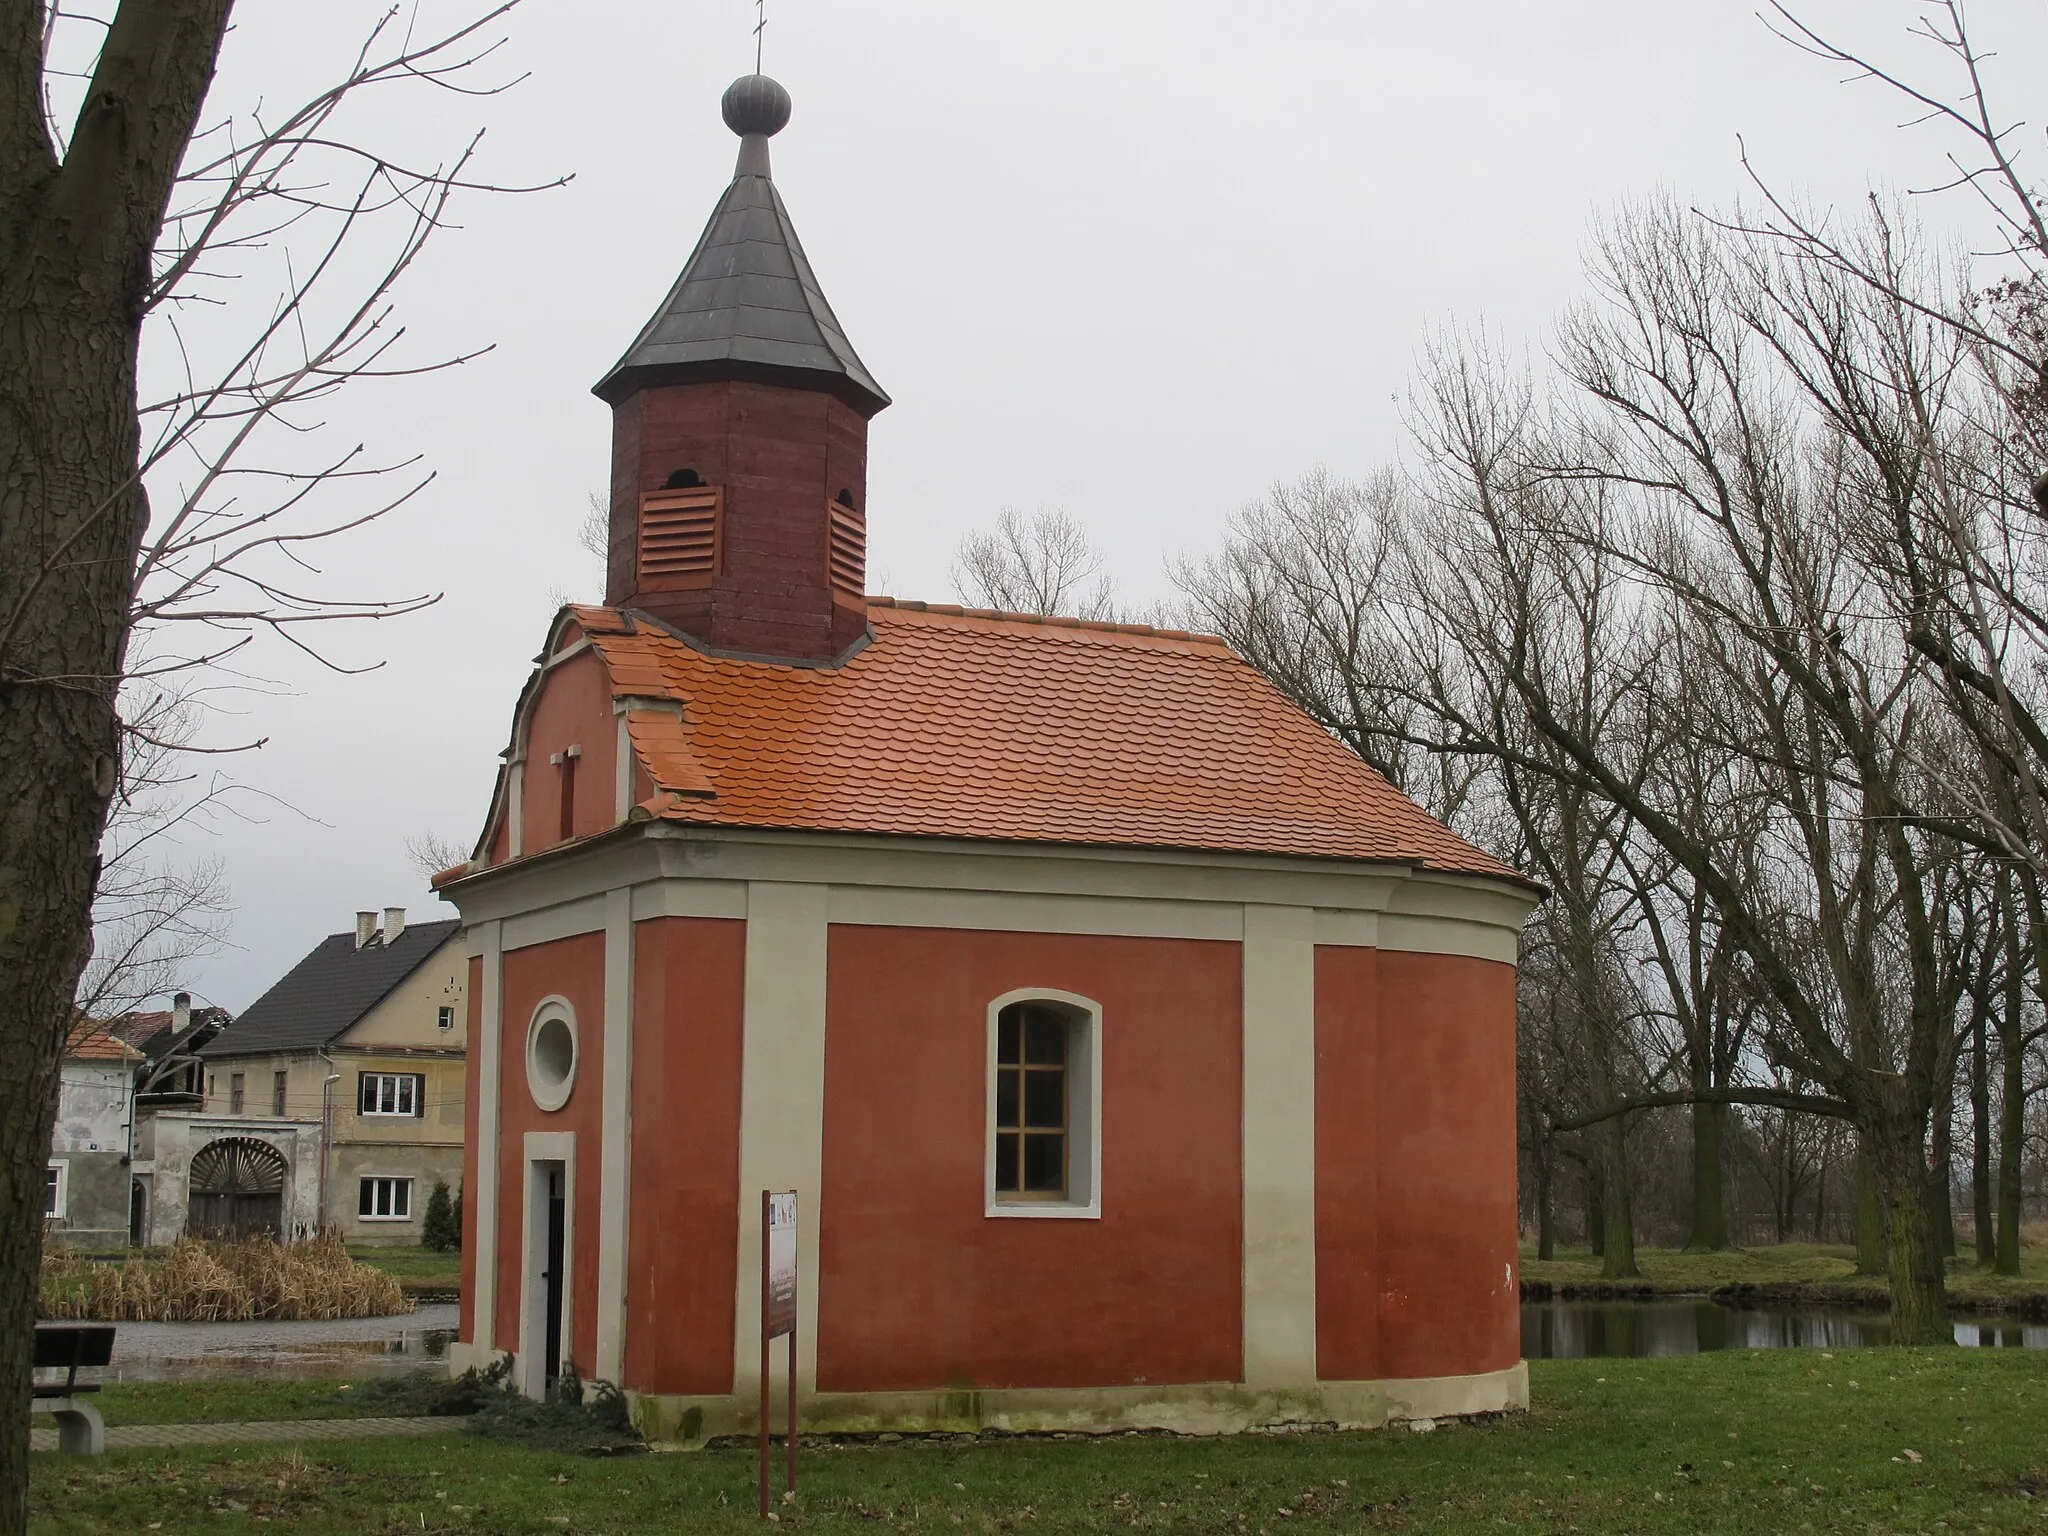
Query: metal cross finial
x=760, y=27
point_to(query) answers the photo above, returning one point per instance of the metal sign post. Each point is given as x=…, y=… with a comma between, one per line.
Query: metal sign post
x=778, y=1315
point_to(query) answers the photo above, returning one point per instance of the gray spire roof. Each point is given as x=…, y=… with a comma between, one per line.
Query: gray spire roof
x=747, y=305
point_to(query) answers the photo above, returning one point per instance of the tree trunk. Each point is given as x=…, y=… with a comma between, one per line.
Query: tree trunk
x=75, y=243
x=1980, y=1147
x=1596, y=1210
x=1546, y=1218
x=2012, y=1141
x=1870, y=1221
x=1709, y=1205
x=1919, y=1283
x=69, y=437
x=1618, y=1238
x=1941, y=1183
x=1820, y=1193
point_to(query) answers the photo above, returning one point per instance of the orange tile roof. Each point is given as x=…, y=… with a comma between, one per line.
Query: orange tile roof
x=90, y=1040
x=963, y=723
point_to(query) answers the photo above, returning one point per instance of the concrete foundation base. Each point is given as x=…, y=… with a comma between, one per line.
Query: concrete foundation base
x=1203, y=1408
x=80, y=1429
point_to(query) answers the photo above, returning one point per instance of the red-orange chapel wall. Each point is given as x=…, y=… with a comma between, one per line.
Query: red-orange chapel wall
x=1347, y=1164
x=918, y=1287
x=1444, y=1151
x=689, y=979
x=573, y=709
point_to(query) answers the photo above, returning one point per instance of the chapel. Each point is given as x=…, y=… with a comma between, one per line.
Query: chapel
x=1139, y=1057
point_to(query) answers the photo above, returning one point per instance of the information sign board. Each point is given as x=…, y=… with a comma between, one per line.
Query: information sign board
x=781, y=1264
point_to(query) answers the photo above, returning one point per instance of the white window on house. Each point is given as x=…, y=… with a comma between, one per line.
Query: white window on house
x=447, y=1018
x=385, y=1200
x=1044, y=1105
x=56, y=1186
x=390, y=1093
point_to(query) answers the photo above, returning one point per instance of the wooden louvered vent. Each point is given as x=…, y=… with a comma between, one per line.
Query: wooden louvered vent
x=679, y=536
x=848, y=550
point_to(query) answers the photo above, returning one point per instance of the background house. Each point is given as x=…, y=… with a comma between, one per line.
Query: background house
x=169, y=1040
x=336, y=1098
x=86, y=1194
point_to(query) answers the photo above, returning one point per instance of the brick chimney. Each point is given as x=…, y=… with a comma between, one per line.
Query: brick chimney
x=740, y=434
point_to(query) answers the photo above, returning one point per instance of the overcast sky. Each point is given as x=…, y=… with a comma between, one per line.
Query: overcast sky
x=1132, y=258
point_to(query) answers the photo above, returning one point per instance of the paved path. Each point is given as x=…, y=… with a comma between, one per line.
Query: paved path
x=130, y=1437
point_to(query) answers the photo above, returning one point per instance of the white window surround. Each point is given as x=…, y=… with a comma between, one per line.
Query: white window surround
x=1084, y=1111
x=398, y=1192
x=552, y=1053
x=390, y=1095
x=60, y=1196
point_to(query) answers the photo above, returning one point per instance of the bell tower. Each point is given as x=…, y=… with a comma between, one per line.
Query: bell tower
x=740, y=434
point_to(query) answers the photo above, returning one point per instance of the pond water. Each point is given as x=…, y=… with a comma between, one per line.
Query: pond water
x=1575, y=1330
x=1551, y=1330
x=350, y=1350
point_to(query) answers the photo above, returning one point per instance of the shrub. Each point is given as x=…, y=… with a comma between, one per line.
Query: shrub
x=441, y=1230
x=209, y=1282
x=577, y=1415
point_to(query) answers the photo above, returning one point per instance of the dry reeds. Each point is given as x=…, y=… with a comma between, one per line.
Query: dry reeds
x=206, y=1282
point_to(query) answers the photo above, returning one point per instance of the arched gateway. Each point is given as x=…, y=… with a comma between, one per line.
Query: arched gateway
x=237, y=1189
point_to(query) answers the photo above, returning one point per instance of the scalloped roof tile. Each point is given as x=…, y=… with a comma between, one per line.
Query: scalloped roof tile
x=962, y=723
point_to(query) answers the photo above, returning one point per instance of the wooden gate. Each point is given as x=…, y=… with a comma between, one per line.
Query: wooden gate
x=237, y=1190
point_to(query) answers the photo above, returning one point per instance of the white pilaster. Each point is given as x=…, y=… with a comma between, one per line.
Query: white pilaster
x=782, y=1107
x=1279, y=1147
x=615, y=1138
x=489, y=941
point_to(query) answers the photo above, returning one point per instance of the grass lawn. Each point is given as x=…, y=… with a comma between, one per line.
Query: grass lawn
x=1855, y=1441
x=226, y=1402
x=419, y=1271
x=1830, y=1272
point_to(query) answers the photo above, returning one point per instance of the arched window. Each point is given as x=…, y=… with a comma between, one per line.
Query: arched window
x=1044, y=1105
x=1031, y=1102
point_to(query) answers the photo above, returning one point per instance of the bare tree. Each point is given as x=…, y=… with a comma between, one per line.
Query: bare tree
x=431, y=853
x=594, y=533
x=1041, y=564
x=159, y=907
x=177, y=301
x=1966, y=574
x=1303, y=589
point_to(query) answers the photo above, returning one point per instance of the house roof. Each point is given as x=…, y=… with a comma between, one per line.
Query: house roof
x=96, y=1040
x=154, y=1031
x=747, y=304
x=327, y=993
x=959, y=723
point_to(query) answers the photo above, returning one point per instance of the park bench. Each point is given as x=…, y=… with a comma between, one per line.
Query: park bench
x=71, y=1348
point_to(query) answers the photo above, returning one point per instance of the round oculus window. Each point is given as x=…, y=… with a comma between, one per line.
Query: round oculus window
x=551, y=1053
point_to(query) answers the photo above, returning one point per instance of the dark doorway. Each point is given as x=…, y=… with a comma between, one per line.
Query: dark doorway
x=552, y=1275
x=236, y=1190
x=138, y=1207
